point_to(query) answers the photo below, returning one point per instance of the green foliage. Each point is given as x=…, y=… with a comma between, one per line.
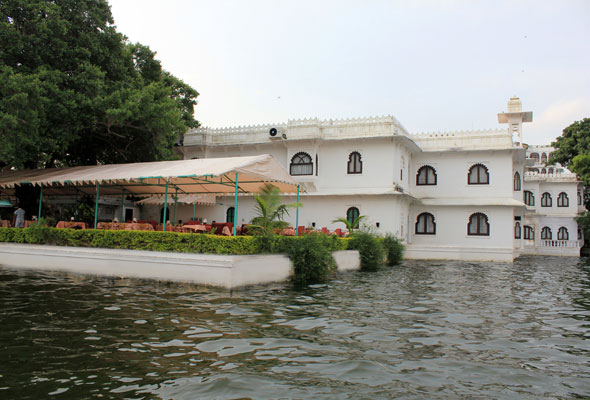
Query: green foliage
x=312, y=260
x=350, y=226
x=394, y=249
x=269, y=211
x=370, y=250
x=574, y=140
x=75, y=92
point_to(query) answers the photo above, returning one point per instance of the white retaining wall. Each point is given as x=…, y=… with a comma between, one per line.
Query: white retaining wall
x=207, y=269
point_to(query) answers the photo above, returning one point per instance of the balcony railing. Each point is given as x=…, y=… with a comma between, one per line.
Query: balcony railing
x=561, y=243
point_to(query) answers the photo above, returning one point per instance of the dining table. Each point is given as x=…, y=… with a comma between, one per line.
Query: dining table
x=71, y=225
x=136, y=226
x=194, y=228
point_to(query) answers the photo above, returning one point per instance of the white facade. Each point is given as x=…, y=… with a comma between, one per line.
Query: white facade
x=448, y=195
x=553, y=201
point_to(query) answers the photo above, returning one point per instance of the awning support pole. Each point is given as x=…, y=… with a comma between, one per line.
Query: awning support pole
x=165, y=207
x=175, y=203
x=96, y=205
x=236, y=205
x=297, y=215
x=122, y=207
x=40, y=203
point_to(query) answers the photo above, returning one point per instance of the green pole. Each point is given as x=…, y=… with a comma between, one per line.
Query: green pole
x=236, y=205
x=297, y=215
x=194, y=207
x=122, y=207
x=40, y=203
x=175, y=203
x=96, y=205
x=165, y=207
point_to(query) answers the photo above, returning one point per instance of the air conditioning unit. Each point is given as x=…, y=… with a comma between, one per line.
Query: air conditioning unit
x=276, y=134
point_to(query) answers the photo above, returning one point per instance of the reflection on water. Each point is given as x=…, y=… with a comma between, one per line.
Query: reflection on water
x=420, y=330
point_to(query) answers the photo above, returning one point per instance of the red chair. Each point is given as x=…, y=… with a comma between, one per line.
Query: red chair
x=325, y=230
x=301, y=230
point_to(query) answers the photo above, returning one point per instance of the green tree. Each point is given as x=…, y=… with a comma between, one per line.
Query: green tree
x=73, y=91
x=270, y=211
x=574, y=141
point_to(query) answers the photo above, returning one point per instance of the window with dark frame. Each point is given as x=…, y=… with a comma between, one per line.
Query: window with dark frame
x=355, y=164
x=529, y=198
x=563, y=200
x=229, y=214
x=478, y=175
x=425, y=224
x=426, y=176
x=563, y=234
x=301, y=164
x=579, y=198
x=546, y=233
x=529, y=233
x=517, y=184
x=478, y=225
x=546, y=200
x=517, y=230
x=351, y=215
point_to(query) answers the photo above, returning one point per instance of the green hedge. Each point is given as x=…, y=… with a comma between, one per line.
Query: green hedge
x=162, y=241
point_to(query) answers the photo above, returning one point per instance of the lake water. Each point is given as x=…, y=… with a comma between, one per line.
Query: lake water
x=418, y=330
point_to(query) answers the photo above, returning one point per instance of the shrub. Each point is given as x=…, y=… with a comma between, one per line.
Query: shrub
x=394, y=249
x=369, y=248
x=312, y=260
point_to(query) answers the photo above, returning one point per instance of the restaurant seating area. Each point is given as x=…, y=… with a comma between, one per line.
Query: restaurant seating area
x=192, y=226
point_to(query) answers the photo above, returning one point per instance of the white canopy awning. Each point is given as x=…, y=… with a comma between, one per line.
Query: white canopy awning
x=203, y=199
x=208, y=175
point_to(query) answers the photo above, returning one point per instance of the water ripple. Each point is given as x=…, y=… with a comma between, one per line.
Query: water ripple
x=419, y=330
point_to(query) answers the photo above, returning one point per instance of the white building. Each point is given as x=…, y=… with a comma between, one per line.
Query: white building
x=553, y=197
x=451, y=195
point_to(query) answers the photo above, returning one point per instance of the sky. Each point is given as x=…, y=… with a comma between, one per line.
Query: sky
x=442, y=65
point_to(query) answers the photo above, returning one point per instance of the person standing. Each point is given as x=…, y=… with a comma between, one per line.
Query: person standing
x=18, y=221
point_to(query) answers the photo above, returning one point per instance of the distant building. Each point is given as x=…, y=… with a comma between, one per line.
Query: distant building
x=468, y=195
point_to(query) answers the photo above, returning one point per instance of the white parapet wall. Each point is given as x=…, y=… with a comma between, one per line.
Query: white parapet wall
x=227, y=271
x=420, y=252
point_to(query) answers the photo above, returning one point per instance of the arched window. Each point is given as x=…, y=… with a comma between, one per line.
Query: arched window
x=535, y=156
x=529, y=233
x=426, y=176
x=544, y=157
x=301, y=164
x=478, y=175
x=546, y=233
x=517, y=230
x=562, y=234
x=425, y=224
x=563, y=200
x=478, y=225
x=517, y=181
x=351, y=215
x=355, y=165
x=229, y=214
x=546, y=200
x=579, y=198
x=529, y=198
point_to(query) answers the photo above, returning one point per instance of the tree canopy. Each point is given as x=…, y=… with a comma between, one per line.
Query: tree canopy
x=74, y=91
x=572, y=149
